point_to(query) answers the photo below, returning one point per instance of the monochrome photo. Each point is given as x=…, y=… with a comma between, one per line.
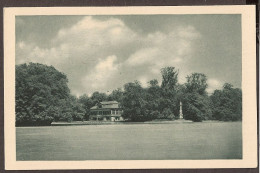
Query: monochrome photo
x=153, y=86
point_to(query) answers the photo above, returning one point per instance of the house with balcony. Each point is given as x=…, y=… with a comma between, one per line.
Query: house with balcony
x=106, y=111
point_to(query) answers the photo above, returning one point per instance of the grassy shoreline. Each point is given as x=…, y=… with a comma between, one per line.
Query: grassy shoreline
x=127, y=122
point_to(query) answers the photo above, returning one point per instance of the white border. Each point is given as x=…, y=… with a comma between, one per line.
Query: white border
x=249, y=124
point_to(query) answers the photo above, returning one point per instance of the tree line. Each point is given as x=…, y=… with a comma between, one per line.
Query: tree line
x=42, y=96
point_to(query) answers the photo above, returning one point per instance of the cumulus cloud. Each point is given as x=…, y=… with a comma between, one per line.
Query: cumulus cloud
x=102, y=73
x=102, y=55
x=143, y=56
x=213, y=84
x=162, y=49
x=90, y=33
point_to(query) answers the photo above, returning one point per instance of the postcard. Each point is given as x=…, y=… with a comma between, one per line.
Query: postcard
x=130, y=87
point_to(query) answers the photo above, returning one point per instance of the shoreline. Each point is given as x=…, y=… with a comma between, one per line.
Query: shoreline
x=78, y=123
x=84, y=123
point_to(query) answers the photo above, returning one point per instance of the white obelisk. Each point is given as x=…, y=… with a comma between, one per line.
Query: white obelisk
x=181, y=115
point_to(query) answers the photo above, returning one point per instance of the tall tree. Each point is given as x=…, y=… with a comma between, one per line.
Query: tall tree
x=78, y=111
x=154, y=89
x=153, y=99
x=169, y=101
x=196, y=103
x=116, y=95
x=98, y=97
x=197, y=82
x=227, y=103
x=87, y=104
x=39, y=89
x=134, y=102
x=169, y=78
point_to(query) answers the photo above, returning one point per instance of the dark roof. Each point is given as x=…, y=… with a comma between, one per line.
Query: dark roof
x=109, y=102
x=107, y=105
x=110, y=106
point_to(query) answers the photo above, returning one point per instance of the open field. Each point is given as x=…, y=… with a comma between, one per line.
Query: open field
x=207, y=140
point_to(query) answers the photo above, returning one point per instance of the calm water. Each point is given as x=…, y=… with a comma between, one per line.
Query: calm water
x=217, y=140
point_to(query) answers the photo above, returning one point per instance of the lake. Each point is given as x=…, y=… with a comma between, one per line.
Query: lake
x=206, y=140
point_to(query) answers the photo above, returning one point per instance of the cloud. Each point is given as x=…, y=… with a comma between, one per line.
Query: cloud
x=81, y=42
x=189, y=32
x=213, y=84
x=143, y=56
x=162, y=49
x=100, y=76
x=102, y=55
x=144, y=81
x=90, y=33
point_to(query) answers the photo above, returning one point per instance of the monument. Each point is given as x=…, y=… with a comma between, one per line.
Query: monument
x=181, y=115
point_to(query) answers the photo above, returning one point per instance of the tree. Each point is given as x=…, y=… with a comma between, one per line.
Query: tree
x=166, y=114
x=87, y=103
x=196, y=103
x=39, y=90
x=134, y=102
x=227, y=103
x=157, y=109
x=169, y=78
x=197, y=82
x=77, y=109
x=98, y=97
x=65, y=112
x=153, y=96
x=196, y=107
x=154, y=83
x=169, y=89
x=116, y=95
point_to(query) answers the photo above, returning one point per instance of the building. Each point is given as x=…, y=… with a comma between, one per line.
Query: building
x=106, y=111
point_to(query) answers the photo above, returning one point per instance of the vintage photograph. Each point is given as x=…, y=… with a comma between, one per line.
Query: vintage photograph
x=137, y=87
x=129, y=87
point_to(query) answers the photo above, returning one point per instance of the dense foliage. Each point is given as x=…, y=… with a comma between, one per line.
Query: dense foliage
x=227, y=103
x=162, y=102
x=196, y=103
x=42, y=96
x=134, y=102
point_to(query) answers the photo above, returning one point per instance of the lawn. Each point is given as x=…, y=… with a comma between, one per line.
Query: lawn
x=206, y=140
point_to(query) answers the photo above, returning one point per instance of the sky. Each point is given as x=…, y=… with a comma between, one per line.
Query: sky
x=102, y=53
